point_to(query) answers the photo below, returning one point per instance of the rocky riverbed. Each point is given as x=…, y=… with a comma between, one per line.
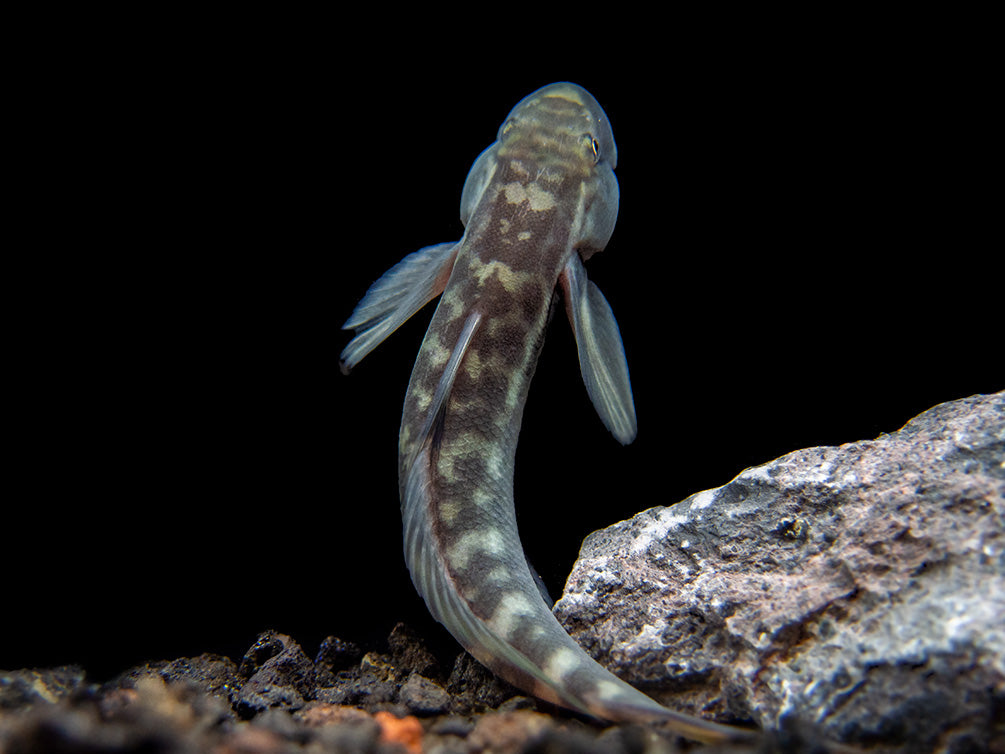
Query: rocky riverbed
x=849, y=593
x=278, y=699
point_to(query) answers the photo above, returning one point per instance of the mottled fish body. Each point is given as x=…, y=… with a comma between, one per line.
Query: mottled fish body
x=536, y=204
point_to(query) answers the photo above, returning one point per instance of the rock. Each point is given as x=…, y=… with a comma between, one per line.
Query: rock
x=151, y=716
x=273, y=704
x=336, y=654
x=214, y=674
x=269, y=644
x=19, y=688
x=476, y=688
x=410, y=654
x=511, y=732
x=519, y=731
x=341, y=728
x=402, y=732
x=377, y=684
x=860, y=588
x=423, y=696
x=279, y=675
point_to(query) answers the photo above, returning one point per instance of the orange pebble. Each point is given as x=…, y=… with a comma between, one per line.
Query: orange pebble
x=406, y=731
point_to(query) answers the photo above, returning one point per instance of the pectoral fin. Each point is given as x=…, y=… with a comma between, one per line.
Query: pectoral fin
x=397, y=295
x=601, y=352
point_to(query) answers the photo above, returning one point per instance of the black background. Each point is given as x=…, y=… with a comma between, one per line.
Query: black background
x=803, y=257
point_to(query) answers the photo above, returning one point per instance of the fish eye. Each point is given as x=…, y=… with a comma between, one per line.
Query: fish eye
x=594, y=147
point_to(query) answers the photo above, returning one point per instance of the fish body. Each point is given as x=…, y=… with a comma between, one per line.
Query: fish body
x=536, y=204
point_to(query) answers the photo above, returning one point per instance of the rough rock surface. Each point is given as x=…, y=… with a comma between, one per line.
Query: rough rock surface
x=860, y=587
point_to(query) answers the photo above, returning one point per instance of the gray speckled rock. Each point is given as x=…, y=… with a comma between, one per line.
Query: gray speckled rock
x=859, y=587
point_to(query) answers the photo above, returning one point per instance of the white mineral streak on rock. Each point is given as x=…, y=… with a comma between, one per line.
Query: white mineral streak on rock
x=666, y=521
